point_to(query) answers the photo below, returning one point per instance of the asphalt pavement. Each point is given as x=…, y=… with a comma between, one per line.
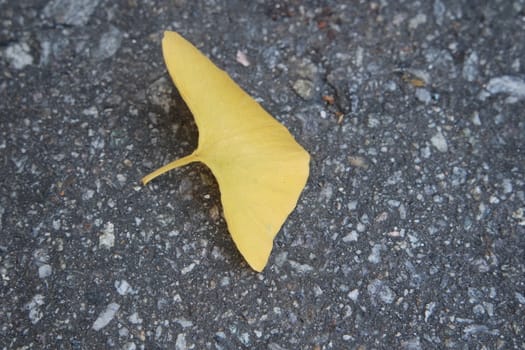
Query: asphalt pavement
x=410, y=233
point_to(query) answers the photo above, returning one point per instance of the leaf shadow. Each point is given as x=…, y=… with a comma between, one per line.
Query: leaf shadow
x=178, y=131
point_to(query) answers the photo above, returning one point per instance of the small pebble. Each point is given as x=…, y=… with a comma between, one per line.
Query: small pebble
x=134, y=318
x=18, y=55
x=71, y=12
x=439, y=142
x=304, y=88
x=377, y=289
x=107, y=238
x=375, y=255
x=423, y=95
x=353, y=295
x=123, y=287
x=301, y=268
x=470, y=67
x=512, y=86
x=180, y=343
x=105, y=316
x=416, y=21
x=109, y=44
x=45, y=271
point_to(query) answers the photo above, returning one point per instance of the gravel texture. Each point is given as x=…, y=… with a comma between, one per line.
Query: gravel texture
x=410, y=233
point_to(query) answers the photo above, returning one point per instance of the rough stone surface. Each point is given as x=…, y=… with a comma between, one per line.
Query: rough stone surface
x=109, y=43
x=410, y=233
x=105, y=317
x=508, y=85
x=18, y=55
x=71, y=12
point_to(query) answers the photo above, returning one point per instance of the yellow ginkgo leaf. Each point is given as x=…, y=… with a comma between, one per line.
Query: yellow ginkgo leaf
x=260, y=168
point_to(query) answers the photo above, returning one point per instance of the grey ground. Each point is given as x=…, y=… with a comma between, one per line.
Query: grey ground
x=409, y=235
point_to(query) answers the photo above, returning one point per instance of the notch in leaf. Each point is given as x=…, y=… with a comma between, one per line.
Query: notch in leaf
x=260, y=168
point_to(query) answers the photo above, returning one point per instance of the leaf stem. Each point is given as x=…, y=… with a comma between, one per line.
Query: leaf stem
x=175, y=164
